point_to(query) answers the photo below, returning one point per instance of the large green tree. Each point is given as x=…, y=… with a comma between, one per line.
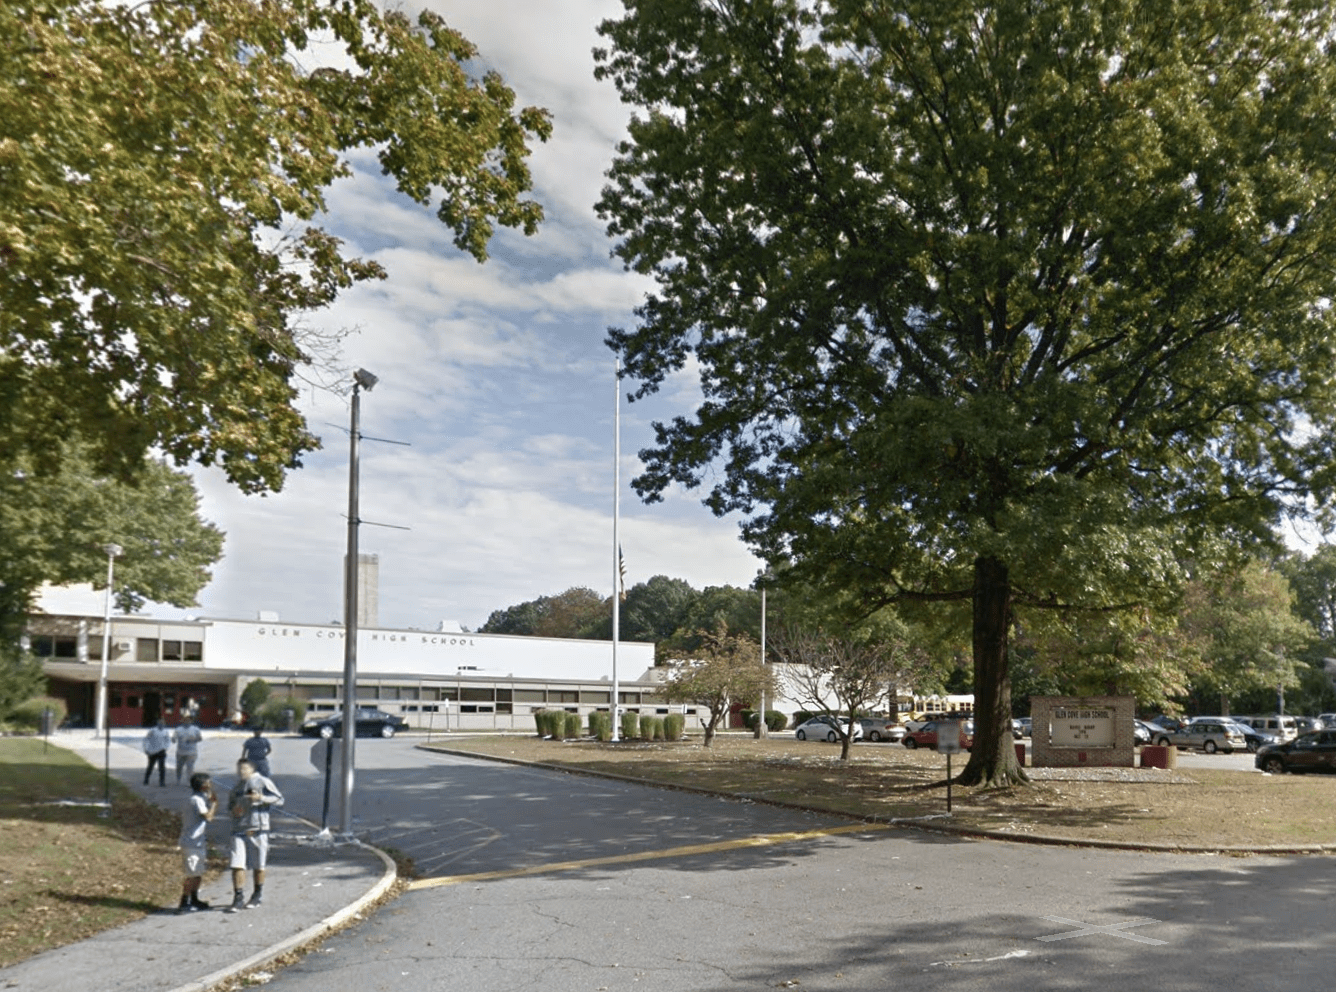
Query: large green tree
x=1009, y=302
x=162, y=166
x=55, y=526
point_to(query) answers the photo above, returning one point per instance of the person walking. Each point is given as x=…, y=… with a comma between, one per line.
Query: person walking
x=194, y=842
x=255, y=749
x=249, y=803
x=156, y=743
x=187, y=738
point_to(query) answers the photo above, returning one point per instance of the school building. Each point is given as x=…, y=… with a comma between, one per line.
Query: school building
x=442, y=679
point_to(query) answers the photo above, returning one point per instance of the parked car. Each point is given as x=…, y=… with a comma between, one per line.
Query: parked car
x=1143, y=733
x=1209, y=735
x=825, y=728
x=926, y=736
x=1026, y=726
x=1282, y=727
x=1256, y=738
x=881, y=729
x=1328, y=720
x=1315, y=752
x=367, y=722
x=1307, y=724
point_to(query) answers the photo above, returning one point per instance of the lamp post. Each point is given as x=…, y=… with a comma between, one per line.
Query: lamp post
x=761, y=729
x=102, y=721
x=362, y=379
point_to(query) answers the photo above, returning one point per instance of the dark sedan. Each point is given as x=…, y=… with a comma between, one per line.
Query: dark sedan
x=1315, y=752
x=369, y=722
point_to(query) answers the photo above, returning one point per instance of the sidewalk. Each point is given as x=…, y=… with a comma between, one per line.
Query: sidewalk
x=311, y=886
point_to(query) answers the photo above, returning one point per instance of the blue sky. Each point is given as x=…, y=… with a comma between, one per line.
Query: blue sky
x=495, y=374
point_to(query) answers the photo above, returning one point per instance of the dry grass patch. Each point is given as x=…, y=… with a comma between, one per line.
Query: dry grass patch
x=1203, y=807
x=67, y=873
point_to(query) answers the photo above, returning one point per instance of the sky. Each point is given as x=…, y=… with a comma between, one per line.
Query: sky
x=497, y=379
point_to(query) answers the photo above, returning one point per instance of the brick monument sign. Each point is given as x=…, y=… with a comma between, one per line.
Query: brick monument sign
x=1071, y=731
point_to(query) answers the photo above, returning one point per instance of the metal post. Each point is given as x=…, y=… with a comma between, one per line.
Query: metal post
x=361, y=379
x=616, y=546
x=948, y=781
x=102, y=721
x=329, y=763
x=761, y=729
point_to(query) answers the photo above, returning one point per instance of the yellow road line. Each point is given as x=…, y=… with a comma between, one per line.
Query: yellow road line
x=757, y=840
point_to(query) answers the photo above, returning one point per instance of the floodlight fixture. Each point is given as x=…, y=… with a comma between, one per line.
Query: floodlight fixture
x=365, y=379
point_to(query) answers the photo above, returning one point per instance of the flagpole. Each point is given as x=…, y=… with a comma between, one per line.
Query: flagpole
x=616, y=546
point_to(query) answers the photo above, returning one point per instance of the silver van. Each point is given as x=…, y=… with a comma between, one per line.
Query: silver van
x=1282, y=728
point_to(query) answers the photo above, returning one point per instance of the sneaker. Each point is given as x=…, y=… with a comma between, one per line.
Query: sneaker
x=185, y=907
x=238, y=903
x=198, y=903
x=255, y=901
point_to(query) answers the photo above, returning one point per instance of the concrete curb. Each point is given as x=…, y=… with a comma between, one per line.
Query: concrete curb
x=331, y=922
x=976, y=833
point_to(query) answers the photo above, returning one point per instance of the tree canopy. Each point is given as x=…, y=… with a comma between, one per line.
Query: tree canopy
x=54, y=527
x=725, y=668
x=1013, y=303
x=161, y=168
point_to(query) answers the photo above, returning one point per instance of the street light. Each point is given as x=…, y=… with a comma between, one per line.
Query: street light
x=362, y=379
x=761, y=729
x=102, y=721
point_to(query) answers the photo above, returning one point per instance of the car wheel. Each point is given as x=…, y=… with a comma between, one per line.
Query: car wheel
x=387, y=730
x=1274, y=765
x=1209, y=747
x=830, y=737
x=326, y=731
x=1165, y=742
x=911, y=743
x=801, y=735
x=875, y=737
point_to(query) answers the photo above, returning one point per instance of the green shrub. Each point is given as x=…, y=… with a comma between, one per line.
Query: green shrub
x=27, y=715
x=655, y=730
x=748, y=718
x=673, y=725
x=775, y=720
x=630, y=725
x=540, y=722
x=802, y=716
x=552, y=723
x=273, y=716
x=571, y=725
x=600, y=726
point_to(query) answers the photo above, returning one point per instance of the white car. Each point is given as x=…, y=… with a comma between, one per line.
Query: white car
x=824, y=728
x=881, y=729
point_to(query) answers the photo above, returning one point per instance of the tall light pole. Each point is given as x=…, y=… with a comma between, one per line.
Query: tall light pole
x=113, y=551
x=761, y=729
x=362, y=379
x=616, y=547
x=102, y=722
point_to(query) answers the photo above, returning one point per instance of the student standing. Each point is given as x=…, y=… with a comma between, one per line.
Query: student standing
x=255, y=749
x=156, y=743
x=249, y=803
x=193, y=841
x=187, y=738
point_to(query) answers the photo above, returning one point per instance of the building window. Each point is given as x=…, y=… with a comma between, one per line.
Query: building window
x=54, y=646
x=564, y=696
x=146, y=649
x=192, y=650
x=591, y=698
x=469, y=708
x=530, y=696
x=171, y=650
x=479, y=695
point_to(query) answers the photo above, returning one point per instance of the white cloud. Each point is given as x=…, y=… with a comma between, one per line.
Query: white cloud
x=498, y=377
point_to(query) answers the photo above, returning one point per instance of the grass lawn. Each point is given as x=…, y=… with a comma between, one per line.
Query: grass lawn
x=67, y=873
x=1198, y=807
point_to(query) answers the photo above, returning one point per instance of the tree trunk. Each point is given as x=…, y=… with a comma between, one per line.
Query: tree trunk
x=993, y=757
x=709, y=728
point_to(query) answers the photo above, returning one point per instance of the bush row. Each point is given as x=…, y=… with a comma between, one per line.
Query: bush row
x=559, y=724
x=774, y=720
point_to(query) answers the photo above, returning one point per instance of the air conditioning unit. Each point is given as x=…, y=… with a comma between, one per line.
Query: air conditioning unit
x=123, y=646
